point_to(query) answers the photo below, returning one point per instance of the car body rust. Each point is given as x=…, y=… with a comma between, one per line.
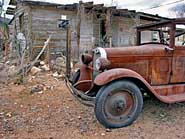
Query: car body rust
x=159, y=66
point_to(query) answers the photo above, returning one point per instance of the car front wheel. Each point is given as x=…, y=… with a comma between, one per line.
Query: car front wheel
x=118, y=104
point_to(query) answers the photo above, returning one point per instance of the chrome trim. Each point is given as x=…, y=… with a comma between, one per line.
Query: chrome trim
x=103, y=53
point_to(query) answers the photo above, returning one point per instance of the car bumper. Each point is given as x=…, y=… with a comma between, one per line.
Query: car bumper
x=79, y=95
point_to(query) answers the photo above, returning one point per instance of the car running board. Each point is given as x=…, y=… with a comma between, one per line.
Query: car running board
x=171, y=93
x=174, y=98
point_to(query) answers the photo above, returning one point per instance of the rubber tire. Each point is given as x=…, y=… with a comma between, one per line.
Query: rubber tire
x=101, y=97
x=76, y=76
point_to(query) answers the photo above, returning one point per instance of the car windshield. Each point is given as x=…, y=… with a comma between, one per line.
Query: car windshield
x=156, y=35
x=180, y=35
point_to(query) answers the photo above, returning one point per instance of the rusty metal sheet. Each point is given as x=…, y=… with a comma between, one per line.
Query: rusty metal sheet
x=117, y=73
x=171, y=93
x=144, y=50
x=165, y=93
x=152, y=62
x=160, y=67
x=161, y=70
x=85, y=75
x=178, y=65
x=167, y=90
x=110, y=75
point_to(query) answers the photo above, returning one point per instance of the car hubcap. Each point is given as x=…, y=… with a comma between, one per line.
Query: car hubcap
x=119, y=105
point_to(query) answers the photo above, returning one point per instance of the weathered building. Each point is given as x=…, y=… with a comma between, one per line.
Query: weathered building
x=4, y=33
x=92, y=25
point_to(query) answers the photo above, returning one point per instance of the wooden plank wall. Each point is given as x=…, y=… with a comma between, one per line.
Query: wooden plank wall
x=45, y=22
x=26, y=28
x=96, y=30
x=86, y=32
x=122, y=28
x=115, y=31
x=40, y=21
x=124, y=33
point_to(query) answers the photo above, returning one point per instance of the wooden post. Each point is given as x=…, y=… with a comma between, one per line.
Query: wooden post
x=47, y=59
x=79, y=16
x=6, y=48
x=5, y=38
x=30, y=34
x=68, y=52
x=138, y=33
x=108, y=27
x=172, y=35
x=93, y=42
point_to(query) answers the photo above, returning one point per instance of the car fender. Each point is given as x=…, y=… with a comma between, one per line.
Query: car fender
x=113, y=74
x=84, y=82
x=121, y=73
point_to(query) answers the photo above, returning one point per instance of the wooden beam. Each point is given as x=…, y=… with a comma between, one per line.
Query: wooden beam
x=108, y=26
x=87, y=4
x=39, y=46
x=30, y=31
x=98, y=5
x=112, y=7
x=172, y=35
x=108, y=22
x=79, y=16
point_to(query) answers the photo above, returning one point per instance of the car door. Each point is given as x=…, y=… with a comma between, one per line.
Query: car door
x=178, y=62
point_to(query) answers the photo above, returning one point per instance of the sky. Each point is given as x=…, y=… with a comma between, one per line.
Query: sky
x=162, y=9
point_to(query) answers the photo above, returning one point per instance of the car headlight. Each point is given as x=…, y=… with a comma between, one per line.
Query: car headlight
x=97, y=64
x=102, y=63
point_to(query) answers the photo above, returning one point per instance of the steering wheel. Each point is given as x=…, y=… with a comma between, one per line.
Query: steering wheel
x=183, y=43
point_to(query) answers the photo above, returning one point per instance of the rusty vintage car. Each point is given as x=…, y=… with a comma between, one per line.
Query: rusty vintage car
x=113, y=80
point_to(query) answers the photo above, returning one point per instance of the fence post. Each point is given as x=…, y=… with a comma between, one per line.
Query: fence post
x=68, y=52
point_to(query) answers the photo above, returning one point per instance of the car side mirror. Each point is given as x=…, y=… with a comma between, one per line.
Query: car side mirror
x=168, y=49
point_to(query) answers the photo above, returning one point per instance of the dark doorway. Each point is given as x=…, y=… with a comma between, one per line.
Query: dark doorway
x=102, y=29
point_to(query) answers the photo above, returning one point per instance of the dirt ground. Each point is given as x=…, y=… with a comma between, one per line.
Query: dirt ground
x=55, y=114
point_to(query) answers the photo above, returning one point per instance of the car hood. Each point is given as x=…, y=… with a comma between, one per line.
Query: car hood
x=143, y=50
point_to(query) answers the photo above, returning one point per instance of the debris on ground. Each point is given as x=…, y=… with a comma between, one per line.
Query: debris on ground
x=108, y=130
x=9, y=114
x=2, y=66
x=102, y=134
x=8, y=69
x=34, y=70
x=37, y=89
x=59, y=65
x=57, y=75
x=45, y=68
x=42, y=63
